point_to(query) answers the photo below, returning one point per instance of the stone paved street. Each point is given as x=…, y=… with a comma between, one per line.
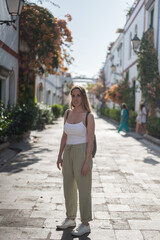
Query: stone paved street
x=126, y=187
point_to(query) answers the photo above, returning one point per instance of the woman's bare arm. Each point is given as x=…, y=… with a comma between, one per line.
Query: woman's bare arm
x=62, y=146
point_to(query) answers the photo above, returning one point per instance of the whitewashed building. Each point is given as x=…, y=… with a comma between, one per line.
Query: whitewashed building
x=52, y=89
x=145, y=15
x=113, y=65
x=134, y=25
x=9, y=36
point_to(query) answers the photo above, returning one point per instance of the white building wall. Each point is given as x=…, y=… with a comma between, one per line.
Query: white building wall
x=52, y=89
x=134, y=25
x=114, y=58
x=138, y=22
x=107, y=71
x=8, y=57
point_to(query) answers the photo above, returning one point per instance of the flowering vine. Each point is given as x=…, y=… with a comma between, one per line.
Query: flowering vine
x=47, y=38
x=122, y=92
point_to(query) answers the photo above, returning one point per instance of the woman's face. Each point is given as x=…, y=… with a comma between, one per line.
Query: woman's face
x=76, y=98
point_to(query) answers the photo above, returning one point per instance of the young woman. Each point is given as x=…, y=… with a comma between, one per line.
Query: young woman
x=77, y=145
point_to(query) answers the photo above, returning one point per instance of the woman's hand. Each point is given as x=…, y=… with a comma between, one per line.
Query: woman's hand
x=59, y=163
x=85, y=169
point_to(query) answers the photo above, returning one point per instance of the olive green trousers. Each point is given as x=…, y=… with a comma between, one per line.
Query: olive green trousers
x=73, y=160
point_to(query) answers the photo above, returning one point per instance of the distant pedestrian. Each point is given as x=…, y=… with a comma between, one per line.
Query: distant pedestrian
x=77, y=144
x=141, y=119
x=124, y=119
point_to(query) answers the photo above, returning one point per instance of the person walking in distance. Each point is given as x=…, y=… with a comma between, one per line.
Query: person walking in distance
x=76, y=146
x=124, y=119
x=141, y=119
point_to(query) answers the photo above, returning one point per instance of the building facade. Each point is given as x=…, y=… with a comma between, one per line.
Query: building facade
x=51, y=89
x=9, y=42
x=145, y=15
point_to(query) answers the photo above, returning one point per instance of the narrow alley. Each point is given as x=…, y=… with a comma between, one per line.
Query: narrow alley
x=126, y=187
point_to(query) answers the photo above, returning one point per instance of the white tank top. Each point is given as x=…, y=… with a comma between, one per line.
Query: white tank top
x=76, y=133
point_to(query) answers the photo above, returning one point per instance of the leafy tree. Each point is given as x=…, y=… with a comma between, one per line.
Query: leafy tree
x=122, y=92
x=98, y=89
x=47, y=39
x=45, y=43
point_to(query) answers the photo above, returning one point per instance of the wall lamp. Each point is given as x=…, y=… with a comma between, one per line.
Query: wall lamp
x=135, y=43
x=14, y=9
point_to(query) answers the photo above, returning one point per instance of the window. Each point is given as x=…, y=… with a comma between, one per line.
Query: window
x=2, y=90
x=130, y=46
x=135, y=30
x=151, y=18
x=12, y=89
x=119, y=49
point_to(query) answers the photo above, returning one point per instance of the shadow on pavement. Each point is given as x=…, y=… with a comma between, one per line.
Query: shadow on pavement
x=151, y=161
x=67, y=235
x=151, y=149
x=22, y=158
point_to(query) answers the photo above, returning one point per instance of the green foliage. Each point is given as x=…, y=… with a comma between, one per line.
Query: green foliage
x=111, y=113
x=122, y=92
x=132, y=119
x=115, y=114
x=153, y=126
x=106, y=111
x=148, y=70
x=127, y=92
x=22, y=117
x=5, y=122
x=57, y=110
x=65, y=107
x=44, y=115
x=15, y=120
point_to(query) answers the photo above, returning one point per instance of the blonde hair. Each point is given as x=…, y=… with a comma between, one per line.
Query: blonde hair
x=85, y=101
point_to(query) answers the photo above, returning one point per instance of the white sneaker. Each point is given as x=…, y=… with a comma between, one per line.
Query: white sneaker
x=67, y=223
x=81, y=230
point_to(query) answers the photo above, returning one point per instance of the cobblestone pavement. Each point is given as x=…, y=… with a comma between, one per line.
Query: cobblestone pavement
x=126, y=187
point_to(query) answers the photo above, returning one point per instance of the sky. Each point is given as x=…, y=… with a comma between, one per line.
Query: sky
x=93, y=26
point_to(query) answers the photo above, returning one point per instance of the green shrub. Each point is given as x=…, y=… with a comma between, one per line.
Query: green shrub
x=106, y=111
x=15, y=120
x=65, y=107
x=132, y=119
x=5, y=122
x=57, y=110
x=153, y=126
x=101, y=110
x=22, y=118
x=45, y=114
x=115, y=114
